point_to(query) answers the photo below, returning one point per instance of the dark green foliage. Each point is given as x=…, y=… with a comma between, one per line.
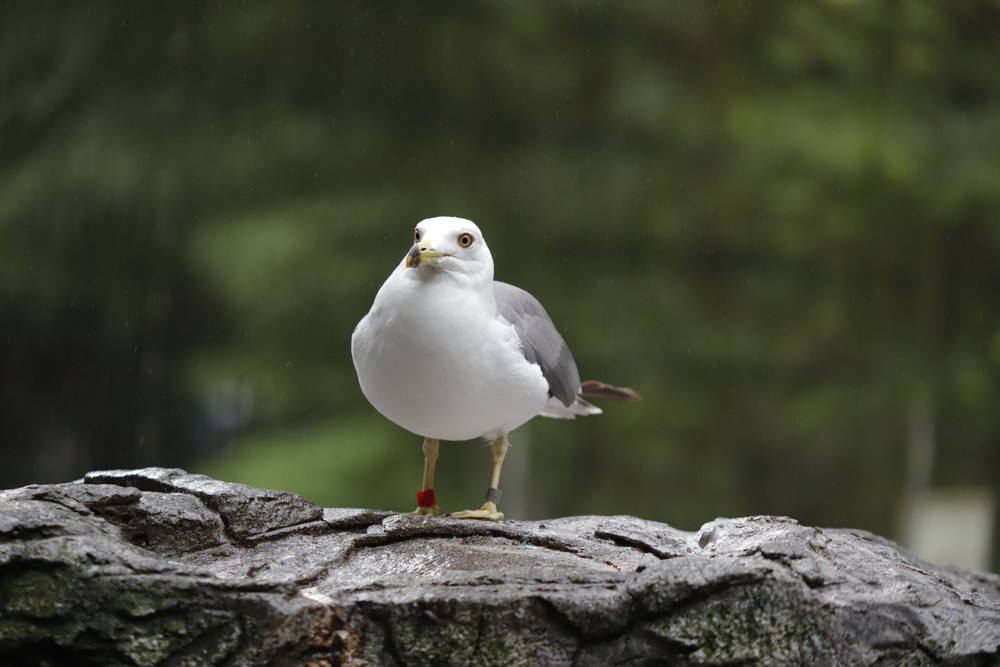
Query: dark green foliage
x=777, y=221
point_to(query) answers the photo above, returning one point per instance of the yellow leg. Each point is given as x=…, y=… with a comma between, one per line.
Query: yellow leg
x=489, y=509
x=426, y=495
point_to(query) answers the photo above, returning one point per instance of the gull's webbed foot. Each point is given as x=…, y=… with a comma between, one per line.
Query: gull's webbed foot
x=488, y=512
x=427, y=511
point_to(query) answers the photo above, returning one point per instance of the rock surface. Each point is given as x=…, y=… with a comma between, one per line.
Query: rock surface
x=159, y=567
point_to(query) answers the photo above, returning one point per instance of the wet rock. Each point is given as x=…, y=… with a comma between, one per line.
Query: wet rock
x=244, y=510
x=167, y=523
x=155, y=566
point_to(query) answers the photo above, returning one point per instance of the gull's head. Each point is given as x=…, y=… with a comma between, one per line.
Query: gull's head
x=450, y=245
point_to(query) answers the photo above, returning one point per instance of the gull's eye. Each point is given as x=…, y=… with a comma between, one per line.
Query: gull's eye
x=416, y=235
x=465, y=240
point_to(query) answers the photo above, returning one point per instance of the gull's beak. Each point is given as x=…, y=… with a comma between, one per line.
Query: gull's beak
x=422, y=253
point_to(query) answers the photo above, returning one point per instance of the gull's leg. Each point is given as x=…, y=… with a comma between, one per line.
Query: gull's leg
x=489, y=508
x=426, y=503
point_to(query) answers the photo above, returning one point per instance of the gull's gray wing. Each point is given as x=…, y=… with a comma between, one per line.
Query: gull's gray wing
x=541, y=342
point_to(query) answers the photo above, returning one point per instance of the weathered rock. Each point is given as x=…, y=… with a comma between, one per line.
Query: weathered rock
x=244, y=510
x=158, y=567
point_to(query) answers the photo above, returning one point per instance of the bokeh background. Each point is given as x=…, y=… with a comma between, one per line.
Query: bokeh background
x=777, y=221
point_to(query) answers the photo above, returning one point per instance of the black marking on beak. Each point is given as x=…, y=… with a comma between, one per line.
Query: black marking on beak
x=413, y=257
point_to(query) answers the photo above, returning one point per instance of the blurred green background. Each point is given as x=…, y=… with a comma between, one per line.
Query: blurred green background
x=776, y=221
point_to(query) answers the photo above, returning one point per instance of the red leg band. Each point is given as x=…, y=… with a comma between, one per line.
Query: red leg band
x=426, y=498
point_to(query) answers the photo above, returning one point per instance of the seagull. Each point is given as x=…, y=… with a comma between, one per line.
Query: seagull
x=449, y=353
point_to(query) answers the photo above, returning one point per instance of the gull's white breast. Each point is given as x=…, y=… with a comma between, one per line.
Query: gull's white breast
x=432, y=357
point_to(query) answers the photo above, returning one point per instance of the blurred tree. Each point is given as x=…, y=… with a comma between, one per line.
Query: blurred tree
x=775, y=220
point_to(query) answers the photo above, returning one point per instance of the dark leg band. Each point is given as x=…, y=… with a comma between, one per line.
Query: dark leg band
x=493, y=495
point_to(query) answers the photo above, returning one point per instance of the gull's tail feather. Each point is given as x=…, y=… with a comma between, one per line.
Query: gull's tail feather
x=580, y=407
x=595, y=389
